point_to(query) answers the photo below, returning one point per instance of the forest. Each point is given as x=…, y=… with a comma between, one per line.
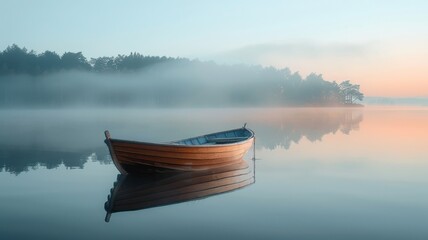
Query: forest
x=48, y=79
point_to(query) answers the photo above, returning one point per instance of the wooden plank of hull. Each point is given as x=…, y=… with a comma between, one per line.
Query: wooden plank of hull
x=183, y=148
x=176, y=155
x=145, y=171
x=128, y=163
x=126, y=154
x=181, y=161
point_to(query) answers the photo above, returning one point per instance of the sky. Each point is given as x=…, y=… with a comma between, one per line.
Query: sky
x=381, y=45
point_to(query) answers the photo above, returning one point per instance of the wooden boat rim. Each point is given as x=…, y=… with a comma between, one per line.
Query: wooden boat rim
x=171, y=144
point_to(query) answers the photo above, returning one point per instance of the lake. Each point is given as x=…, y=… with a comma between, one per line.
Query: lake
x=320, y=173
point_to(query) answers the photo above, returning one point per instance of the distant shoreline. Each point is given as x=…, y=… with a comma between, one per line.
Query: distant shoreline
x=48, y=79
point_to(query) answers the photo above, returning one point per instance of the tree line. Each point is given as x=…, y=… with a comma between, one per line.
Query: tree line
x=16, y=60
x=241, y=84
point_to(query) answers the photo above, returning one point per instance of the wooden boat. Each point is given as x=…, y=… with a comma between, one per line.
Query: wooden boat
x=141, y=191
x=197, y=153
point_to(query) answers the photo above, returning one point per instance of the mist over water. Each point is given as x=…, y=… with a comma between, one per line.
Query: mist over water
x=162, y=85
x=70, y=137
x=173, y=84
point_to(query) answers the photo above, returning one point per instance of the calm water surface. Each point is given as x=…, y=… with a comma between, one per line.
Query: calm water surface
x=319, y=174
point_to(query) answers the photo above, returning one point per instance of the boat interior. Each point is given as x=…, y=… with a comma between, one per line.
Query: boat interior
x=231, y=136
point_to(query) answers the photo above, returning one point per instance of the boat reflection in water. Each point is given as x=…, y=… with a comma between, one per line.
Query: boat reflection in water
x=154, y=188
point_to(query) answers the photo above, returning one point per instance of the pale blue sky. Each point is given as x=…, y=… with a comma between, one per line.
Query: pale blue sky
x=202, y=27
x=279, y=33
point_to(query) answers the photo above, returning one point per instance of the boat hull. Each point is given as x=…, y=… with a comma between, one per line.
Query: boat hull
x=128, y=155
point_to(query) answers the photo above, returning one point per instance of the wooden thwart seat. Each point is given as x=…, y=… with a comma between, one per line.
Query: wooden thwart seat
x=225, y=140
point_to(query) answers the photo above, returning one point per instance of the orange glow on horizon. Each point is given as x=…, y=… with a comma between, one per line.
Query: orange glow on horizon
x=393, y=74
x=393, y=135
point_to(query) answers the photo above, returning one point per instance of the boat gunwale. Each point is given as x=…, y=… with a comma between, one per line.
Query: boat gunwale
x=174, y=144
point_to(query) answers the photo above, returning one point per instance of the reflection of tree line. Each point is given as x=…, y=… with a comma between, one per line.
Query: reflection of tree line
x=22, y=160
x=293, y=126
x=271, y=131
